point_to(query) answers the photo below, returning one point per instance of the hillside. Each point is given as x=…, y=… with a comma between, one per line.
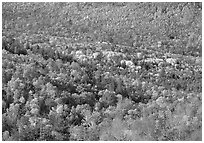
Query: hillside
x=101, y=71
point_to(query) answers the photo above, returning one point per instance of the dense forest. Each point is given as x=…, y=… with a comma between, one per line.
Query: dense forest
x=102, y=71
